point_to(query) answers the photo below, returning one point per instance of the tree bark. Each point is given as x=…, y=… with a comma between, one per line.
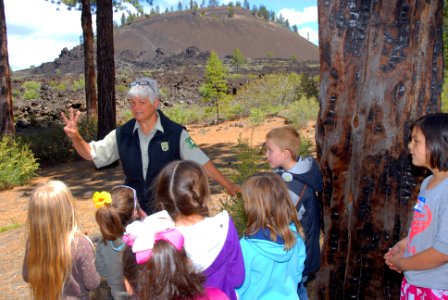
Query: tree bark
x=89, y=60
x=106, y=68
x=6, y=109
x=381, y=68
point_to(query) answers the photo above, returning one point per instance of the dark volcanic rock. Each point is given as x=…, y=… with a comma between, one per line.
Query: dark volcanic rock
x=172, y=48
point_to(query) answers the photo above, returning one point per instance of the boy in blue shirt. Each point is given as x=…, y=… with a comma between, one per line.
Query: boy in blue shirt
x=304, y=180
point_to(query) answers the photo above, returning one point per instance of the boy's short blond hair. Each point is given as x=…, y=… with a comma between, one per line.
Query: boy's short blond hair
x=287, y=138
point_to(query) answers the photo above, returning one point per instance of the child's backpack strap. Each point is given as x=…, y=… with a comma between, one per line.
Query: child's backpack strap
x=301, y=195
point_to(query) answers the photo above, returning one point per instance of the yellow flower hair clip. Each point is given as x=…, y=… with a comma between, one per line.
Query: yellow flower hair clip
x=101, y=198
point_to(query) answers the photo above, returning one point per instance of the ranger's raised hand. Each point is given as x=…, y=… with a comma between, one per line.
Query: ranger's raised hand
x=71, y=124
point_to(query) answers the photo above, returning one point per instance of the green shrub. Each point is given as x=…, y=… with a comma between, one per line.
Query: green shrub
x=164, y=93
x=30, y=95
x=233, y=111
x=79, y=84
x=300, y=112
x=124, y=116
x=121, y=88
x=234, y=76
x=259, y=114
x=249, y=161
x=31, y=90
x=188, y=114
x=31, y=85
x=145, y=73
x=88, y=128
x=17, y=163
x=235, y=207
x=306, y=146
x=268, y=91
x=51, y=145
x=61, y=87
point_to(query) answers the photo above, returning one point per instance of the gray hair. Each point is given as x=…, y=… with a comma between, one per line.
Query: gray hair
x=144, y=87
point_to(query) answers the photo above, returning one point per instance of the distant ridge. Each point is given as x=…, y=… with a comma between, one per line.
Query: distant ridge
x=211, y=29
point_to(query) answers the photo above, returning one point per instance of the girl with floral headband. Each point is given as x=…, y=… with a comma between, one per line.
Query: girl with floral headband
x=155, y=265
x=59, y=260
x=115, y=211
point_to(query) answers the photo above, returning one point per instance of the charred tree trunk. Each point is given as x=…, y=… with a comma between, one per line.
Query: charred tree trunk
x=381, y=68
x=6, y=110
x=89, y=61
x=106, y=68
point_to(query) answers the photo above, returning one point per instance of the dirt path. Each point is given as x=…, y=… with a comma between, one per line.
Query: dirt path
x=217, y=141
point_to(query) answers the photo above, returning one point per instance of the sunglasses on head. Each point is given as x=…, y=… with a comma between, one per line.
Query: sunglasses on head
x=143, y=82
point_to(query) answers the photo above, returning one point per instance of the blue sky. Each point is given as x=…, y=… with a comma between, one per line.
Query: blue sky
x=37, y=31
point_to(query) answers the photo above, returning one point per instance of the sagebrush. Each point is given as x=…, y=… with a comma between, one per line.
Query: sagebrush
x=17, y=163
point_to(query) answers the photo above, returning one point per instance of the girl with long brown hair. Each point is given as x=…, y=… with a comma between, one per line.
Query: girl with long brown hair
x=273, y=250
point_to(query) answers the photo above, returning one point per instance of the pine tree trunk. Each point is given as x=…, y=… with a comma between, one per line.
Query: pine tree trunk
x=106, y=68
x=89, y=61
x=6, y=109
x=381, y=68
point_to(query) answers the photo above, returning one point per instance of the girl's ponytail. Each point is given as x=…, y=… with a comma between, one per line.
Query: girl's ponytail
x=109, y=222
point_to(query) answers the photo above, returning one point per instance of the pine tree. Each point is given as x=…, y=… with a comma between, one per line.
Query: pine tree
x=246, y=5
x=214, y=88
x=6, y=108
x=230, y=11
x=238, y=58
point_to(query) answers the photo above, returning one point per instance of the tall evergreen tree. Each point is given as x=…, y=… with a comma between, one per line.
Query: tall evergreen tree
x=213, y=3
x=105, y=62
x=89, y=60
x=238, y=59
x=246, y=5
x=230, y=11
x=106, y=68
x=263, y=12
x=295, y=28
x=6, y=109
x=214, y=88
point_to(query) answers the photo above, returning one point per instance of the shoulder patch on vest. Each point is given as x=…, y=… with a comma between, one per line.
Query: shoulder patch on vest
x=190, y=143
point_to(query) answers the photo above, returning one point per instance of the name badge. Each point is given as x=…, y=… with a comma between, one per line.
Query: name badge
x=165, y=146
x=420, y=204
x=287, y=176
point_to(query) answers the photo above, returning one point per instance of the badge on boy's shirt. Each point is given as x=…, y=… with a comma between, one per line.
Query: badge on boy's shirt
x=287, y=177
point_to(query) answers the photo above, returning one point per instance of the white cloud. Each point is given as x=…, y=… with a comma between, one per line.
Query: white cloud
x=37, y=32
x=309, y=14
x=311, y=33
